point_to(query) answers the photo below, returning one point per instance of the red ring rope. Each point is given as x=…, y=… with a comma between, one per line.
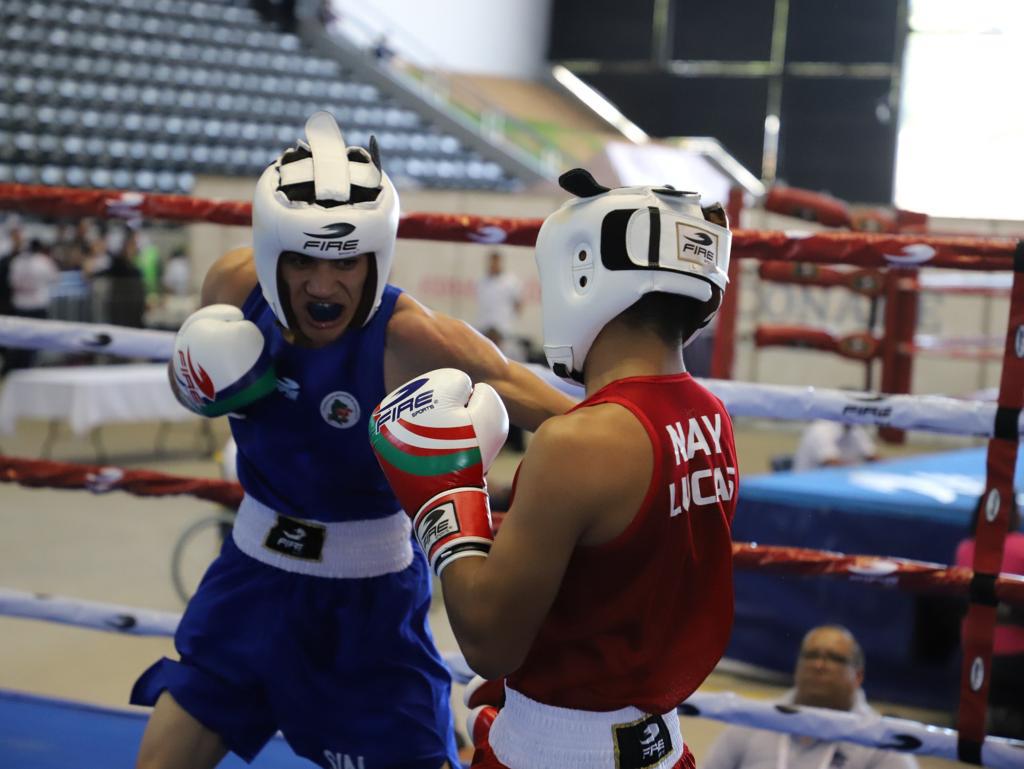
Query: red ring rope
x=865, y=250
x=856, y=346
x=913, y=576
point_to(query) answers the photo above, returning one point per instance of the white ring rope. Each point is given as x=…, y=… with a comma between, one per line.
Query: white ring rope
x=66, y=336
x=931, y=413
x=89, y=614
x=874, y=731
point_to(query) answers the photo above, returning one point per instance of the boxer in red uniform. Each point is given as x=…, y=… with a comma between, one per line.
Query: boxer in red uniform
x=606, y=598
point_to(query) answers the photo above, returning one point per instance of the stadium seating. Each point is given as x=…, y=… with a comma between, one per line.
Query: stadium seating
x=148, y=94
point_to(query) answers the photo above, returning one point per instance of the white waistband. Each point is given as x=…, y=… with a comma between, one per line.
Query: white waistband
x=530, y=735
x=342, y=550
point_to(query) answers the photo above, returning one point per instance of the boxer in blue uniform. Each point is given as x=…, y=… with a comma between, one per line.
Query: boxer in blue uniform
x=313, y=619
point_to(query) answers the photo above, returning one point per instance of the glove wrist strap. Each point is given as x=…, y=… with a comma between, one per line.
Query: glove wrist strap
x=454, y=524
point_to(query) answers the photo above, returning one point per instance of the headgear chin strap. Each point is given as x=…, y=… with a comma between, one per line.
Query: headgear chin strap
x=603, y=250
x=328, y=201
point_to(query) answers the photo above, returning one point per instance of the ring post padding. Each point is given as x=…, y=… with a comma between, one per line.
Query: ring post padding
x=990, y=534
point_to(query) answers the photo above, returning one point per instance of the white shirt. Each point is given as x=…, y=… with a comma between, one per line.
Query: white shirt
x=31, y=276
x=740, y=747
x=825, y=442
x=176, y=278
x=497, y=298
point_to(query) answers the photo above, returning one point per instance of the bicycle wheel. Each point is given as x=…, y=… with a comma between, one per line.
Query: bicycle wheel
x=197, y=546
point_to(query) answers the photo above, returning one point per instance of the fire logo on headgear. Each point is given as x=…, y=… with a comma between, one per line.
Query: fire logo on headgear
x=331, y=238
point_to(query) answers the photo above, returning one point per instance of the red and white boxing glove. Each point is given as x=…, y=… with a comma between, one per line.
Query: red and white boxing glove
x=220, y=361
x=484, y=697
x=435, y=437
x=479, y=722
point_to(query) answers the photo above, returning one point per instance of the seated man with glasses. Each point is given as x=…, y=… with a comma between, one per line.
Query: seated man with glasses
x=829, y=674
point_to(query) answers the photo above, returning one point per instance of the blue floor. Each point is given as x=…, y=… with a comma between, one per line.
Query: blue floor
x=43, y=733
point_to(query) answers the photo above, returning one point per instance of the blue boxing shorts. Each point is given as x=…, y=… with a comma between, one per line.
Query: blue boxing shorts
x=345, y=668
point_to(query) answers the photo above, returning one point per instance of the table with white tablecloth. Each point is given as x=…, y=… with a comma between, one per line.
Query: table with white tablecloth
x=86, y=398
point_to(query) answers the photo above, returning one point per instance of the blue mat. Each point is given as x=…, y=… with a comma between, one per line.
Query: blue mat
x=935, y=487
x=917, y=508
x=44, y=733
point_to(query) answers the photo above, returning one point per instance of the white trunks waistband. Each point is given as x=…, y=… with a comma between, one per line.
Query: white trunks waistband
x=341, y=550
x=530, y=735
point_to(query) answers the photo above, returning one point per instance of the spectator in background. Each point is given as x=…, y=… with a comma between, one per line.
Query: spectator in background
x=118, y=292
x=326, y=13
x=1006, y=693
x=147, y=259
x=61, y=250
x=32, y=274
x=829, y=674
x=82, y=243
x=99, y=256
x=830, y=444
x=179, y=300
x=13, y=248
x=15, y=242
x=69, y=299
x=499, y=304
x=177, y=275
x=382, y=50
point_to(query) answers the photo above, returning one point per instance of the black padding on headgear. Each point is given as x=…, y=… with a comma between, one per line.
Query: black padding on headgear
x=613, y=240
x=668, y=189
x=304, y=192
x=294, y=154
x=654, y=237
x=375, y=152
x=581, y=183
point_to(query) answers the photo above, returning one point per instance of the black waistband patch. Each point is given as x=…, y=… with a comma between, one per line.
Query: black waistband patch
x=298, y=539
x=641, y=743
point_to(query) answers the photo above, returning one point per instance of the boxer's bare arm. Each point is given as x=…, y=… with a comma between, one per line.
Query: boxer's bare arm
x=420, y=340
x=581, y=482
x=231, y=279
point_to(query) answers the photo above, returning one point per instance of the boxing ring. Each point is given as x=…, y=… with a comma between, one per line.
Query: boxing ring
x=21, y=744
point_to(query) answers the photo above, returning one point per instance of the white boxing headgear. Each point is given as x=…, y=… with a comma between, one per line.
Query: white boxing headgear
x=327, y=201
x=604, y=249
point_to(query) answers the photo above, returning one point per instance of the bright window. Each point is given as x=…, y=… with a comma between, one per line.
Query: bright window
x=960, y=150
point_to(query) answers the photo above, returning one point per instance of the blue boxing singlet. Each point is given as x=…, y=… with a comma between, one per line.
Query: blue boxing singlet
x=303, y=450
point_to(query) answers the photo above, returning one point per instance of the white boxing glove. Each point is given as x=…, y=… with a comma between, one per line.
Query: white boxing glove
x=220, y=361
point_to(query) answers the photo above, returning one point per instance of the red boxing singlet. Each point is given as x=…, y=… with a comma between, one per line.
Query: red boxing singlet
x=643, y=619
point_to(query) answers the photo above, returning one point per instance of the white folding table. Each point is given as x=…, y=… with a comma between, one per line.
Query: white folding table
x=86, y=398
